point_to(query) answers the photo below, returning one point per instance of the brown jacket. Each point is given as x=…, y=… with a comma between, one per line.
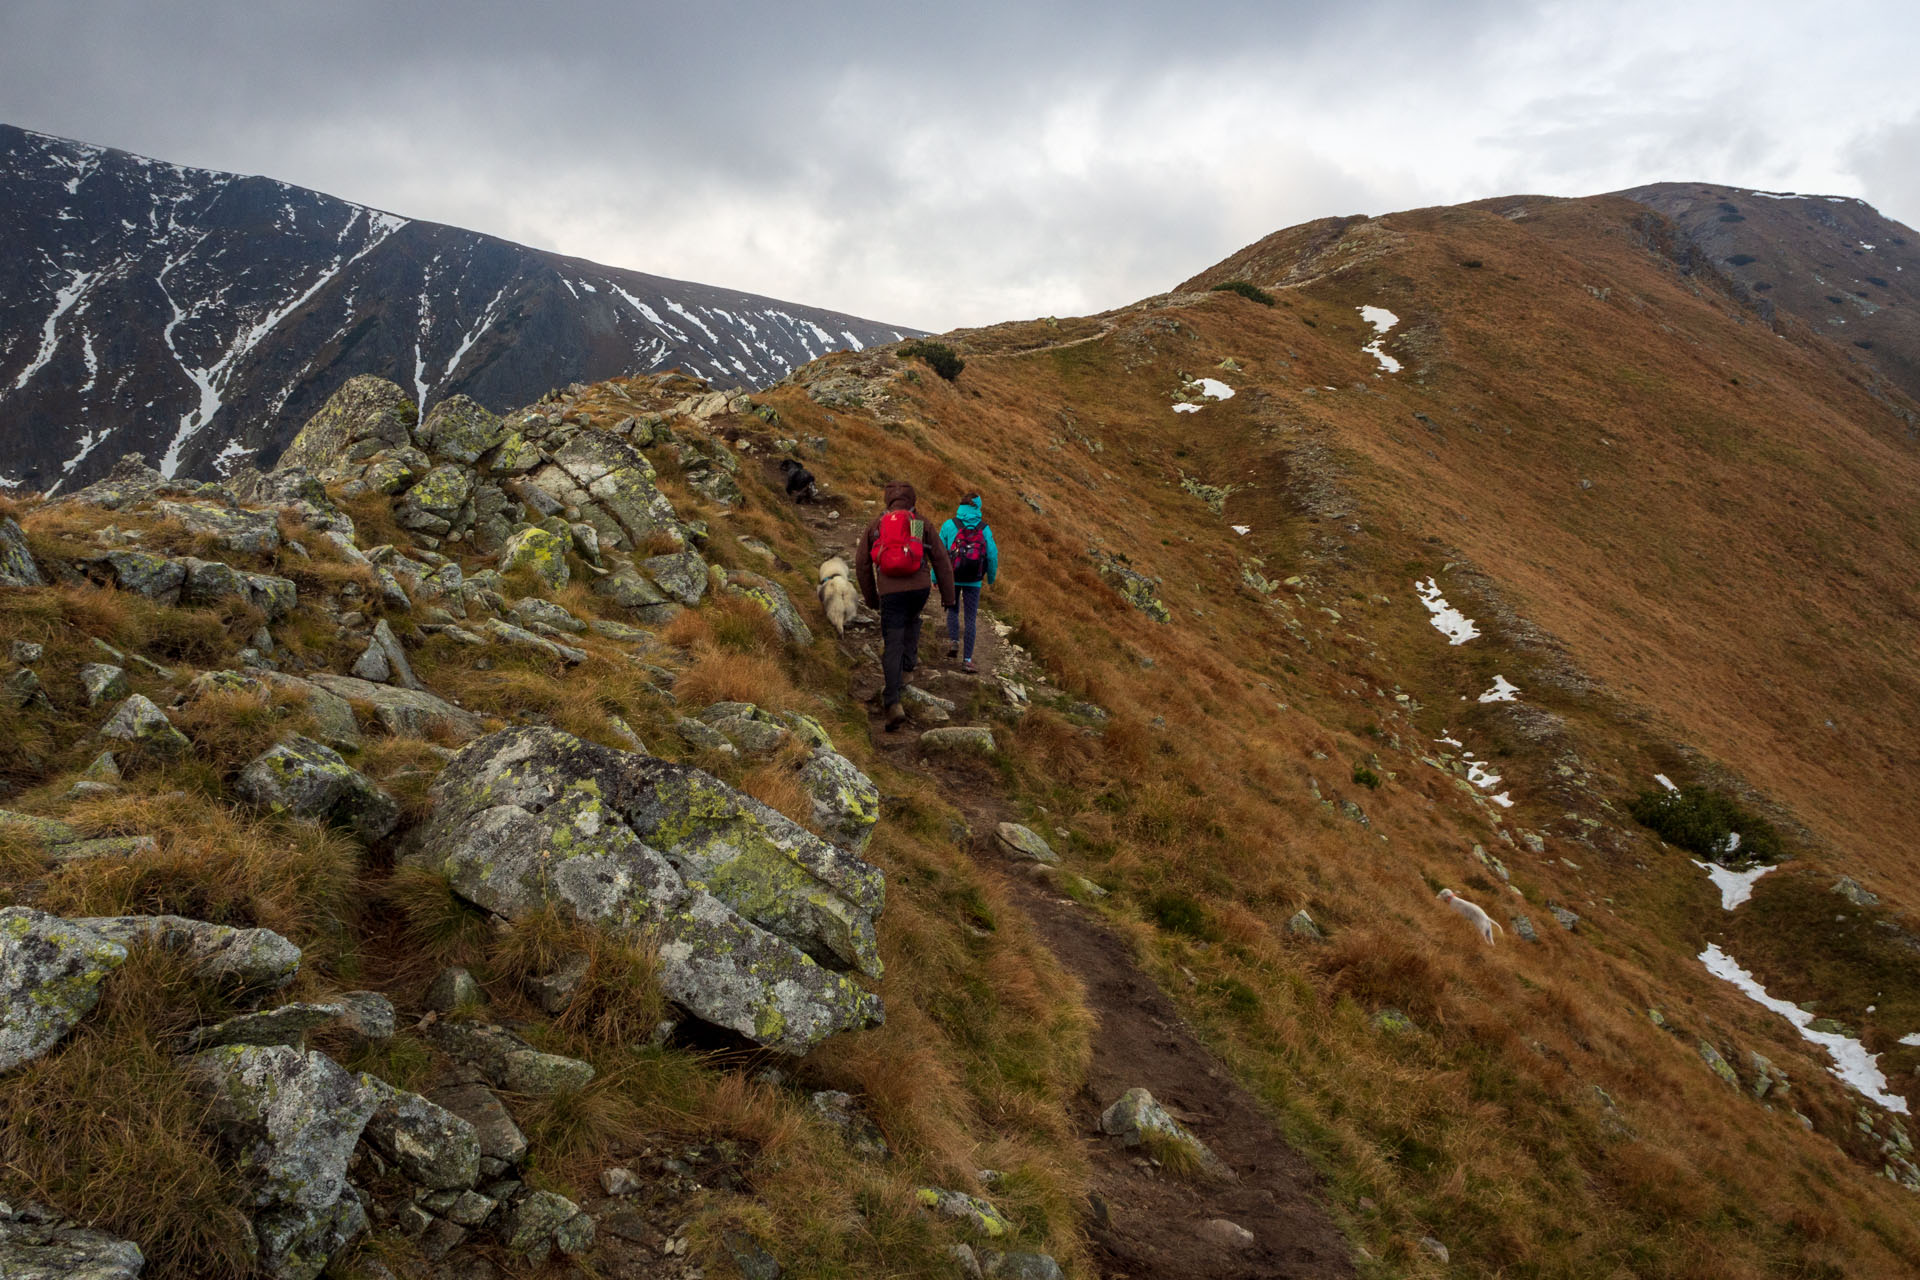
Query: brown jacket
x=901, y=497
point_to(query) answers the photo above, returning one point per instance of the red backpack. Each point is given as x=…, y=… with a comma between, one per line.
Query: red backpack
x=900, y=549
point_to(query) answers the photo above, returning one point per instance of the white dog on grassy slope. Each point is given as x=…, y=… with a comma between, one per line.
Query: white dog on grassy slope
x=838, y=596
x=1480, y=920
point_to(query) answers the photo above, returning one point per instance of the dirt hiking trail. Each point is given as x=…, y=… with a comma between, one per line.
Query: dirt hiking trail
x=1142, y=1223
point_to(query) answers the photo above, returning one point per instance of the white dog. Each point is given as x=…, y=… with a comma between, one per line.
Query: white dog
x=838, y=596
x=1480, y=920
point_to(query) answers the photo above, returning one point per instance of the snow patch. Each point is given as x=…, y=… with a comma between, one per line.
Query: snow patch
x=695, y=320
x=1382, y=320
x=228, y=458
x=1852, y=1063
x=1735, y=886
x=1447, y=620
x=1502, y=691
x=63, y=302
x=1241, y=529
x=1912, y=1040
x=861, y=346
x=1450, y=741
x=88, y=443
x=1478, y=775
x=1665, y=781
x=1186, y=408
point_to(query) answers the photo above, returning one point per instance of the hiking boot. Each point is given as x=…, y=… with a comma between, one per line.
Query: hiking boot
x=969, y=668
x=896, y=716
x=953, y=651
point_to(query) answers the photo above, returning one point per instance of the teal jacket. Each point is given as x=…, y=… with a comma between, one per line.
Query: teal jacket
x=969, y=517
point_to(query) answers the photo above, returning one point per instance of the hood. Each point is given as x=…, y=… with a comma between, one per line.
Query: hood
x=899, y=495
x=967, y=516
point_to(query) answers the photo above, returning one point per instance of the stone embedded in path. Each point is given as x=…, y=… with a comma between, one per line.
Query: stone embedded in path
x=959, y=739
x=926, y=706
x=50, y=975
x=1024, y=842
x=1136, y=1119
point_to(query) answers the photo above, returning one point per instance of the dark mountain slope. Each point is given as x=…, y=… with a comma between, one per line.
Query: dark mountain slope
x=1830, y=261
x=199, y=317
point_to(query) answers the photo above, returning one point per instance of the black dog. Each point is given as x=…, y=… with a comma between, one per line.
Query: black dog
x=799, y=481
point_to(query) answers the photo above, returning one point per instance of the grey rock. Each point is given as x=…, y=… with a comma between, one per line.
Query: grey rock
x=520, y=637
x=408, y=713
x=429, y=1144
x=499, y=1137
x=470, y=1208
x=1566, y=919
x=50, y=975
x=367, y=410
x=682, y=575
x=532, y=610
x=1019, y=1266
x=367, y=1014
x=534, y=816
x=1850, y=889
x=287, y=1025
x=231, y=528
x=17, y=568
x=773, y=598
x=750, y=735
x=26, y=651
x=103, y=682
x=1523, y=927
x=1434, y=1249
x=751, y=1256
x=554, y=991
x=633, y=591
x=1301, y=925
x=291, y=1119
x=926, y=706
x=1023, y=842
x=332, y=715
x=701, y=735
x=541, y=1075
x=959, y=740
x=541, y=552
x=460, y=429
x=138, y=722
x=385, y=661
x=452, y=989
x=303, y=778
x=533, y=1226
x=846, y=803
x=297, y=1243
x=1136, y=1119
x=620, y=1181
x=24, y=690
x=839, y=1110
x=251, y=959
x=621, y=484
x=156, y=578
x=36, y=1245
x=979, y=1214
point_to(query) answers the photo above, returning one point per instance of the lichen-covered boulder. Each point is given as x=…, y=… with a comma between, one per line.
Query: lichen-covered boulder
x=231, y=528
x=682, y=575
x=103, y=682
x=633, y=591
x=50, y=975
x=303, y=778
x=366, y=1012
x=979, y=1214
x=773, y=598
x=520, y=637
x=745, y=905
x=155, y=577
x=542, y=552
x=384, y=661
x=332, y=715
x=17, y=568
x=846, y=803
x=620, y=482
x=365, y=416
x=290, y=1118
x=1136, y=588
x=138, y=722
x=297, y=1244
x=534, y=611
x=960, y=739
x=460, y=429
x=432, y=1146
x=38, y=1245
x=544, y=1221
x=436, y=498
x=250, y=959
x=1136, y=1119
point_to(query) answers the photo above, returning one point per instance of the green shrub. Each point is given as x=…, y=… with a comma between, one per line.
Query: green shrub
x=1178, y=913
x=1366, y=777
x=1703, y=822
x=1246, y=289
x=940, y=357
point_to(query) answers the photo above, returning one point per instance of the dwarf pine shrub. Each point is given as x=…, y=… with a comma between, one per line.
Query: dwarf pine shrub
x=1704, y=822
x=1246, y=289
x=940, y=357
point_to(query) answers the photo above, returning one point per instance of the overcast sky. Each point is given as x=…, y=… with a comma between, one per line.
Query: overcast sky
x=953, y=164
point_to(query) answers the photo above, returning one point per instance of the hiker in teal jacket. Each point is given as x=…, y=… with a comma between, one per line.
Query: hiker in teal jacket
x=976, y=562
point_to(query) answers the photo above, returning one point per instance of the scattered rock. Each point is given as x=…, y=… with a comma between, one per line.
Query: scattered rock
x=926, y=706
x=1301, y=925
x=959, y=739
x=1019, y=1266
x=499, y=1137
x=17, y=568
x=839, y=1110
x=846, y=803
x=1024, y=842
x=141, y=724
x=50, y=975
x=1434, y=1248
x=103, y=682
x=751, y=1256
x=540, y=551
x=250, y=959
x=38, y=1245
x=1394, y=1022
x=431, y=1145
x=971, y=1209
x=542, y=1075
x=545, y=1221
x=307, y=780
x=1850, y=889
x=453, y=989
x=407, y=713
x=773, y=598
x=620, y=1181
x=1225, y=1234
x=1566, y=919
x=1523, y=927
x=384, y=661
x=1136, y=1119
x=1711, y=1056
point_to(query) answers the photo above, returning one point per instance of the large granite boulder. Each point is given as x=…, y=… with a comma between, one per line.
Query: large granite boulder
x=846, y=803
x=230, y=528
x=543, y=552
x=621, y=484
x=17, y=568
x=407, y=713
x=431, y=1145
x=460, y=429
x=50, y=975
x=364, y=417
x=308, y=780
x=249, y=959
x=751, y=912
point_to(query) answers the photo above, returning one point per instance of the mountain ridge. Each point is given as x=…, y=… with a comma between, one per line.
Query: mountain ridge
x=243, y=302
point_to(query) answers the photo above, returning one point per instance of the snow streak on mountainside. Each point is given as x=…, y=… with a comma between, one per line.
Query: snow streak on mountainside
x=201, y=317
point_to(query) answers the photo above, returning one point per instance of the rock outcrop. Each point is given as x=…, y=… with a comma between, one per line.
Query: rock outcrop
x=748, y=909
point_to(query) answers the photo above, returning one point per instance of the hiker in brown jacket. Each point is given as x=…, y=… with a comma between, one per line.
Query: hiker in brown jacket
x=898, y=561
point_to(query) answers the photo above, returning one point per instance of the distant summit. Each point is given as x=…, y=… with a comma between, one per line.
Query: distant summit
x=201, y=317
